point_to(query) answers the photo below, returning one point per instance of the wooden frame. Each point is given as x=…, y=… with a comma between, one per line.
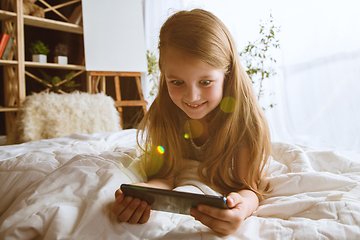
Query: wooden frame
x=96, y=83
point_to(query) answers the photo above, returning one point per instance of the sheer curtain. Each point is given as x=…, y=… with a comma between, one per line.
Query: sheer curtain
x=155, y=14
x=317, y=88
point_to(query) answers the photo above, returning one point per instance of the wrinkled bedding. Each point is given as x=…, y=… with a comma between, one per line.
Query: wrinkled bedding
x=64, y=189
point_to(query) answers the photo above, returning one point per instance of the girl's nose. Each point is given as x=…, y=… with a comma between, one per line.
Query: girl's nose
x=192, y=94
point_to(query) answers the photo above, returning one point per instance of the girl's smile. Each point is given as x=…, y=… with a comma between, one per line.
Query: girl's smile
x=194, y=86
x=195, y=106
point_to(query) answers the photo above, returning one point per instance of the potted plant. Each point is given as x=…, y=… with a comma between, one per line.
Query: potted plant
x=61, y=52
x=257, y=57
x=153, y=72
x=39, y=51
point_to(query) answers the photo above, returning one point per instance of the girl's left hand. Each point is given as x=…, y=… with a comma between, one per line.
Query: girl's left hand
x=222, y=221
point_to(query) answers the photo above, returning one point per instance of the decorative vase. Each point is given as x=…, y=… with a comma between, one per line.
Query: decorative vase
x=63, y=60
x=41, y=58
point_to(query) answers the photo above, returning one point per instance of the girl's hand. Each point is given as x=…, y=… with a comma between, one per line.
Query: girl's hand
x=133, y=210
x=222, y=221
x=128, y=209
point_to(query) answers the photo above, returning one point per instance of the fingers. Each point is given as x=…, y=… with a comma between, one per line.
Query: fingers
x=129, y=209
x=134, y=212
x=208, y=213
x=233, y=199
x=218, y=226
x=222, y=221
x=146, y=215
x=119, y=204
x=118, y=193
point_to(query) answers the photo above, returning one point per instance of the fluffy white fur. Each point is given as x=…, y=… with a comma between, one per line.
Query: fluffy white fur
x=51, y=115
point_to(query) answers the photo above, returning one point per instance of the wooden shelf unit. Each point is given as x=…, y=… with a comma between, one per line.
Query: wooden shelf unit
x=13, y=21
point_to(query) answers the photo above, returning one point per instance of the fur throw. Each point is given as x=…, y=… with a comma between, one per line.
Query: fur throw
x=51, y=115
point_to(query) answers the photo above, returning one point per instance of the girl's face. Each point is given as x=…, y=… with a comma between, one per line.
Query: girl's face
x=194, y=86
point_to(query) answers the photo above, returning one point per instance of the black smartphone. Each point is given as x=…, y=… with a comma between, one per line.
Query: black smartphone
x=172, y=201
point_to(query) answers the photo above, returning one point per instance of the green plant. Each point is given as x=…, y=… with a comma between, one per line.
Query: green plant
x=61, y=49
x=153, y=71
x=38, y=47
x=257, y=56
x=55, y=84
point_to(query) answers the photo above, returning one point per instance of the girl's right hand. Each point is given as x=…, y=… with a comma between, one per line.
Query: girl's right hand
x=128, y=209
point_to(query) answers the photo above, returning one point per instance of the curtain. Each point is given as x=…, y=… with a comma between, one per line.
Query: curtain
x=317, y=86
x=155, y=14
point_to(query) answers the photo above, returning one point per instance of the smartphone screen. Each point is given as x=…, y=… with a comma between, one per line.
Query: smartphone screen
x=172, y=201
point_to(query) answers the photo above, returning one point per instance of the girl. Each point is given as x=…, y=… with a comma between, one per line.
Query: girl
x=205, y=110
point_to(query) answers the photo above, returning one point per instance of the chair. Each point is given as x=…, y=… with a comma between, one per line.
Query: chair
x=51, y=115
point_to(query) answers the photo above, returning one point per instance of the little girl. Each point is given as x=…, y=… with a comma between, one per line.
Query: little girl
x=205, y=110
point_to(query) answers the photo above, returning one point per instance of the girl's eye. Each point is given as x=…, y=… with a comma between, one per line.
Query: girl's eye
x=177, y=82
x=205, y=82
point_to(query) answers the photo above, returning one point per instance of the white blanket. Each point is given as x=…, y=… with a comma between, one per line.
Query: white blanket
x=64, y=189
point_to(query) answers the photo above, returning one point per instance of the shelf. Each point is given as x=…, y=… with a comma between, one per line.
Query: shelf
x=44, y=23
x=6, y=15
x=52, y=24
x=43, y=65
x=54, y=66
x=16, y=73
x=8, y=62
x=8, y=109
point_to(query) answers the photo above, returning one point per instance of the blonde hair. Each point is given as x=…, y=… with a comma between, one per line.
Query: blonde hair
x=202, y=35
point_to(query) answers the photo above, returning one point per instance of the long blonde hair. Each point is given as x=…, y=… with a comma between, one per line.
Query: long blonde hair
x=202, y=35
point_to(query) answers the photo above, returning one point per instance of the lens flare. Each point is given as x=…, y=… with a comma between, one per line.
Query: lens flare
x=186, y=136
x=228, y=104
x=154, y=160
x=160, y=149
x=195, y=127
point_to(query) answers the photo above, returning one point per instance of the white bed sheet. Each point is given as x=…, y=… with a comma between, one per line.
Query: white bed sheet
x=64, y=189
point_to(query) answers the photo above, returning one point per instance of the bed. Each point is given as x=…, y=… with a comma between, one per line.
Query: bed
x=63, y=188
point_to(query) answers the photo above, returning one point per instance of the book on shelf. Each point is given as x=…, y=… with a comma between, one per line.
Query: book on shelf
x=7, y=49
x=3, y=41
x=76, y=16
